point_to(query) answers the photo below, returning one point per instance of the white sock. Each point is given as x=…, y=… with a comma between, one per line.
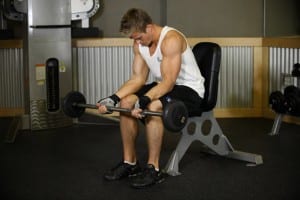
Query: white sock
x=129, y=163
x=156, y=169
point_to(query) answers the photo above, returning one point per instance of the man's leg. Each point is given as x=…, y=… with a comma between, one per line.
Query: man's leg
x=129, y=130
x=154, y=131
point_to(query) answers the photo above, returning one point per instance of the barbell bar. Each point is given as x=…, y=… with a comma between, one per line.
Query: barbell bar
x=174, y=115
x=117, y=109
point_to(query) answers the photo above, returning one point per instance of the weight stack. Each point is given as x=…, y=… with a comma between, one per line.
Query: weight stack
x=52, y=86
x=47, y=63
x=46, y=112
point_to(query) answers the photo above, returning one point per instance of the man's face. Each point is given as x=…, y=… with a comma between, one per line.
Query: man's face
x=142, y=38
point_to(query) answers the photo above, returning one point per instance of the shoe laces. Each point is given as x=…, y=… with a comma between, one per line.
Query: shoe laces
x=150, y=169
x=121, y=166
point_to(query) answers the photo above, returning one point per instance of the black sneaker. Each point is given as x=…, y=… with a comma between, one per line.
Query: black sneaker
x=122, y=170
x=148, y=177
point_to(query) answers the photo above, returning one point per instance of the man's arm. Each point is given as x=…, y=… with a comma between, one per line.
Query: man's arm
x=139, y=75
x=138, y=78
x=172, y=47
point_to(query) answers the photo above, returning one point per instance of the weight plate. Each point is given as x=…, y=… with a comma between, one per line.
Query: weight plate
x=277, y=101
x=175, y=116
x=291, y=89
x=292, y=103
x=69, y=104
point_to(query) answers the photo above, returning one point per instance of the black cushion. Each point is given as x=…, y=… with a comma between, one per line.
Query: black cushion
x=208, y=57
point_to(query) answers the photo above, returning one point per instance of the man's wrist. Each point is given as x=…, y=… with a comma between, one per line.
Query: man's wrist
x=144, y=101
x=115, y=98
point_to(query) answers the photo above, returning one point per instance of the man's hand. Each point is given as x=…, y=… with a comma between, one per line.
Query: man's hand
x=139, y=106
x=110, y=101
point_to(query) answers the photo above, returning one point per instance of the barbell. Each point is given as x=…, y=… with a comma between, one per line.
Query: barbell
x=174, y=114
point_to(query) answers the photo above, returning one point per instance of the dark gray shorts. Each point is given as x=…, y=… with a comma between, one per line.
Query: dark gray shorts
x=188, y=96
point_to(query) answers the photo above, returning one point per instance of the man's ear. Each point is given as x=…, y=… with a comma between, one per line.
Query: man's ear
x=149, y=28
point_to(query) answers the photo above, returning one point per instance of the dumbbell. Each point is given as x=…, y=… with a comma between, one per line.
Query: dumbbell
x=277, y=100
x=296, y=70
x=292, y=100
x=174, y=115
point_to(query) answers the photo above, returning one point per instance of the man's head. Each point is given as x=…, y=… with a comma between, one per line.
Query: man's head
x=134, y=20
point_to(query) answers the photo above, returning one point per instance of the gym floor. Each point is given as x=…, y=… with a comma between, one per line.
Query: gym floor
x=68, y=163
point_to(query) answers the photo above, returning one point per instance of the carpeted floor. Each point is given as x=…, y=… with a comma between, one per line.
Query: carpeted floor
x=68, y=163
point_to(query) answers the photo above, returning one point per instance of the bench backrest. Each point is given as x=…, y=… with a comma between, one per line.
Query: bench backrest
x=208, y=57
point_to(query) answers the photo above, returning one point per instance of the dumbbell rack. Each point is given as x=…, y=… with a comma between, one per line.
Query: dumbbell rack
x=287, y=79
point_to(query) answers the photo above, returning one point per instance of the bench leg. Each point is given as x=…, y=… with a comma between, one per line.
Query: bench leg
x=214, y=140
x=172, y=167
x=276, y=125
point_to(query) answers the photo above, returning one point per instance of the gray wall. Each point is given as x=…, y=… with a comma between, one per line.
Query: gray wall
x=216, y=18
x=209, y=18
x=205, y=18
x=282, y=17
x=202, y=18
x=108, y=19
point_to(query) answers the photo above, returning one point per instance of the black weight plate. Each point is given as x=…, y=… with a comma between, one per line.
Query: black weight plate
x=175, y=116
x=296, y=70
x=277, y=101
x=291, y=89
x=69, y=108
x=292, y=103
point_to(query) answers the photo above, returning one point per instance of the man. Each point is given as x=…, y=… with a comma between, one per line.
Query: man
x=164, y=52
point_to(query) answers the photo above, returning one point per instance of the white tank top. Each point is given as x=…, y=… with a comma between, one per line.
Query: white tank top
x=189, y=74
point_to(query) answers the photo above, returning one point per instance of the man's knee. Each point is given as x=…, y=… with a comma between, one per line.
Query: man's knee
x=128, y=101
x=155, y=106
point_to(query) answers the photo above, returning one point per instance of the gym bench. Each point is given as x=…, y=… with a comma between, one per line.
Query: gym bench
x=208, y=57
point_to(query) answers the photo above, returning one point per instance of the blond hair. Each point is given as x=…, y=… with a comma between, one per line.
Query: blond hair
x=134, y=20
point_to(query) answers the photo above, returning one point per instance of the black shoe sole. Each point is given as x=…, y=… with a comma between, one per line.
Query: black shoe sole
x=149, y=185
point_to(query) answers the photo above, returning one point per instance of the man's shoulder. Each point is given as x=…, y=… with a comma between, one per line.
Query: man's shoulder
x=173, y=36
